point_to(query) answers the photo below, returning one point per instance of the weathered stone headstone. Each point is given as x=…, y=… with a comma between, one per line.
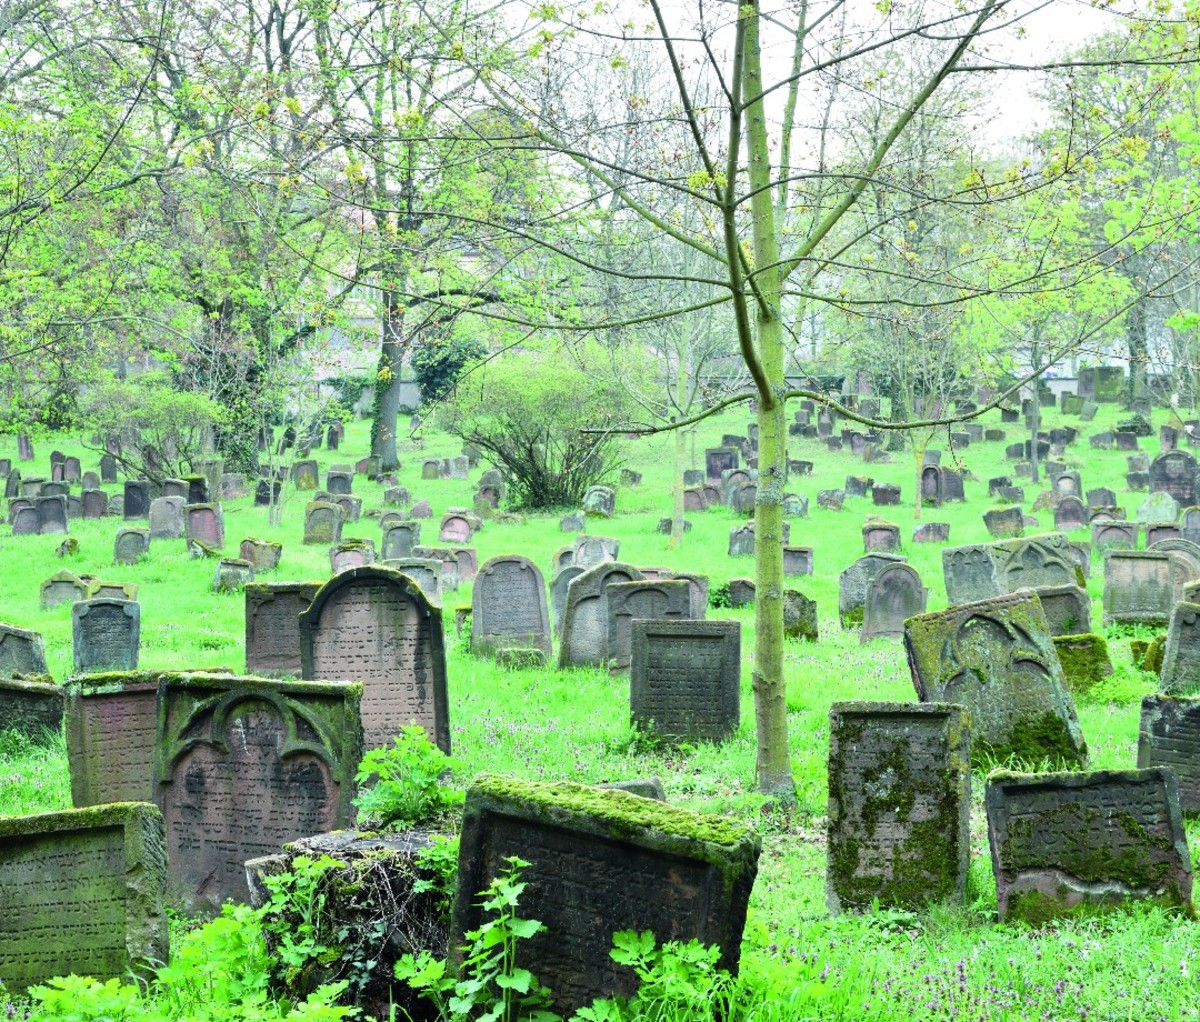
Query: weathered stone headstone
x=1174, y=472
x=508, y=607
x=263, y=554
x=593, y=550
x=61, y=587
x=636, y=863
x=1180, y=674
x=831, y=500
x=885, y=495
x=996, y=657
x=399, y=540
x=455, y=528
x=558, y=593
x=83, y=893
x=322, y=523
x=305, y=475
x=684, y=678
x=584, y=636
x=1004, y=523
x=932, y=532
x=645, y=599
x=599, y=501
x=894, y=594
x=273, y=612
x=1070, y=514
x=105, y=634
x=853, y=583
x=339, y=482
x=899, y=805
x=447, y=564
x=1114, y=535
x=231, y=575
x=718, y=460
x=32, y=708
x=21, y=652
x=1139, y=587
x=1097, y=839
x=1169, y=736
x=377, y=626
x=52, y=515
x=799, y=616
x=137, y=499
x=797, y=560
x=131, y=545
x=166, y=518
x=204, y=523
x=174, y=488
x=881, y=537
x=1158, y=507
x=1068, y=608
x=245, y=765
x=858, y=486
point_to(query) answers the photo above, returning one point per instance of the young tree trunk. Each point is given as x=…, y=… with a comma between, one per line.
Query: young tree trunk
x=386, y=416
x=680, y=438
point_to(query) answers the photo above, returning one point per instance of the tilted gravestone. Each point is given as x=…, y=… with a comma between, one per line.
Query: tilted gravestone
x=600, y=501
x=1169, y=736
x=1068, y=609
x=166, y=518
x=1004, y=523
x=231, y=575
x=273, y=612
x=105, y=635
x=1174, y=473
x=558, y=593
x=263, y=554
x=130, y=545
x=322, y=523
x=32, y=708
x=898, y=832
x=1096, y=839
x=981, y=571
x=885, y=494
x=996, y=657
x=799, y=616
x=377, y=626
x=1101, y=497
x=83, y=893
x=1139, y=587
x=21, y=652
x=61, y=587
x=657, y=599
x=853, y=583
x=584, y=636
x=305, y=475
x=508, y=607
x=684, y=679
x=244, y=765
x=894, y=594
x=602, y=861
x=1180, y=674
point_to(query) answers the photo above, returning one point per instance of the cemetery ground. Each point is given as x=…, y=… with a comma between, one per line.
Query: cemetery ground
x=948, y=962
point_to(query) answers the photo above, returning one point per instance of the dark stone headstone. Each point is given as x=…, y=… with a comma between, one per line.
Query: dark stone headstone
x=831, y=500
x=273, y=626
x=894, y=594
x=137, y=499
x=797, y=560
x=718, y=460
x=584, y=635
x=1169, y=736
x=106, y=635
x=322, y=523
x=52, y=515
x=659, y=599
x=130, y=545
x=33, y=709
x=853, y=583
x=885, y=494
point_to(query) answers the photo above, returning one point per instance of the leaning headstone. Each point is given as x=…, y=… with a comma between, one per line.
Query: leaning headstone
x=245, y=765
x=166, y=518
x=894, y=594
x=799, y=616
x=21, y=652
x=1169, y=736
x=599, y=501
x=1093, y=840
x=322, y=523
x=1180, y=673
x=853, y=583
x=231, y=575
x=131, y=545
x=1003, y=523
x=646, y=599
x=377, y=626
x=831, y=500
x=61, y=587
x=898, y=833
x=932, y=532
x=584, y=636
x=273, y=612
x=558, y=593
x=1068, y=609
x=636, y=863
x=996, y=657
x=684, y=679
x=105, y=635
x=305, y=475
x=83, y=893
x=1101, y=497
x=32, y=708
x=262, y=554
x=508, y=607
x=1139, y=588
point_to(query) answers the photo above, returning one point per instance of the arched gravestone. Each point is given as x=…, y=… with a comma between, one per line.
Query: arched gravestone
x=351, y=507
x=853, y=582
x=61, y=587
x=931, y=485
x=137, y=499
x=377, y=626
x=426, y=572
x=305, y=475
x=1070, y=514
x=54, y=489
x=1185, y=561
x=881, y=537
x=351, y=553
x=25, y=520
x=52, y=515
x=448, y=565
x=21, y=652
x=694, y=499
x=508, y=607
x=130, y=545
x=996, y=657
x=657, y=600
x=273, y=612
x=558, y=594
x=742, y=499
x=105, y=634
x=1139, y=587
x=322, y=523
x=984, y=570
x=1189, y=524
x=166, y=518
x=1114, y=535
x=741, y=541
x=175, y=488
x=593, y=550
x=893, y=595
x=245, y=765
x=732, y=481
x=399, y=540
x=205, y=523
x=1174, y=472
x=1180, y=674
x=339, y=482
x=1068, y=609
x=1068, y=484
x=95, y=503
x=599, y=500
x=455, y=529
x=584, y=637
x=467, y=558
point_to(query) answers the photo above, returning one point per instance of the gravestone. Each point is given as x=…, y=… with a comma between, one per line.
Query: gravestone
x=1156, y=534
x=232, y=486
x=105, y=634
x=396, y=496
x=61, y=587
x=1114, y=535
x=593, y=550
x=1096, y=839
x=1139, y=587
x=584, y=636
x=131, y=545
x=635, y=863
x=425, y=572
x=231, y=575
x=262, y=554
x=137, y=499
x=645, y=599
x=898, y=831
x=83, y=893
x=12, y=485
x=932, y=532
x=797, y=560
x=351, y=553
x=717, y=461
x=1101, y=497
x=339, y=482
x=1169, y=736
x=25, y=521
x=376, y=626
x=694, y=499
x=996, y=657
x=166, y=518
x=599, y=501
x=322, y=523
x=351, y=507
x=174, y=488
x=305, y=475
x=885, y=495
x=1174, y=472
x=52, y=515
x=21, y=652
x=446, y=561
x=558, y=593
x=108, y=469
x=455, y=528
x=858, y=486
x=1070, y=514
x=95, y=504
x=204, y=523
x=54, y=489
x=853, y=583
x=881, y=537
x=684, y=679
x=33, y=709
x=264, y=491
x=1159, y=507
x=741, y=541
x=894, y=594
x=399, y=540
x=244, y=765
x=508, y=607
x=799, y=616
x=992, y=569
x=1003, y=523
x=831, y=500
x=273, y=612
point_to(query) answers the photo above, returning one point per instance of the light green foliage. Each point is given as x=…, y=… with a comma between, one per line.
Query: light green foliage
x=400, y=785
x=438, y=867
x=294, y=916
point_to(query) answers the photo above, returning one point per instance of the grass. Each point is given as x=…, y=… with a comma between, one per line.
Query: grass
x=952, y=963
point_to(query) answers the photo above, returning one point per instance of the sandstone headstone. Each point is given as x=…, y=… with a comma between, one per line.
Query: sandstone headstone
x=894, y=594
x=1003, y=523
x=130, y=545
x=263, y=554
x=61, y=587
x=1070, y=514
x=831, y=500
x=399, y=540
x=508, y=607
x=1169, y=736
x=106, y=635
x=1139, y=587
x=322, y=523
x=1101, y=497
x=644, y=599
x=558, y=593
x=305, y=475
x=853, y=583
x=1114, y=535
x=166, y=518
x=273, y=612
x=231, y=575
x=593, y=550
x=52, y=515
x=797, y=560
x=881, y=537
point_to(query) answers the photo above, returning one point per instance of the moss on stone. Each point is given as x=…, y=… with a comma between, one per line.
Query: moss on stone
x=1153, y=659
x=1085, y=661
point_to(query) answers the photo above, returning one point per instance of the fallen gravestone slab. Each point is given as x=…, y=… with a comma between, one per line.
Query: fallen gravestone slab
x=602, y=861
x=899, y=805
x=1066, y=842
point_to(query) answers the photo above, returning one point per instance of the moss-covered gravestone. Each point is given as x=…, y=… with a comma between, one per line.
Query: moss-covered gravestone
x=893, y=596
x=997, y=658
x=1181, y=656
x=603, y=861
x=82, y=892
x=1085, y=661
x=376, y=626
x=399, y=540
x=244, y=765
x=899, y=805
x=322, y=523
x=853, y=583
x=1169, y=736
x=1068, y=608
x=1139, y=587
x=1069, y=842
x=684, y=678
x=62, y=587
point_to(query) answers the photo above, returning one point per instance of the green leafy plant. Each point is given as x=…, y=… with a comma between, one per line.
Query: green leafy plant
x=438, y=865
x=400, y=784
x=294, y=916
x=490, y=986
